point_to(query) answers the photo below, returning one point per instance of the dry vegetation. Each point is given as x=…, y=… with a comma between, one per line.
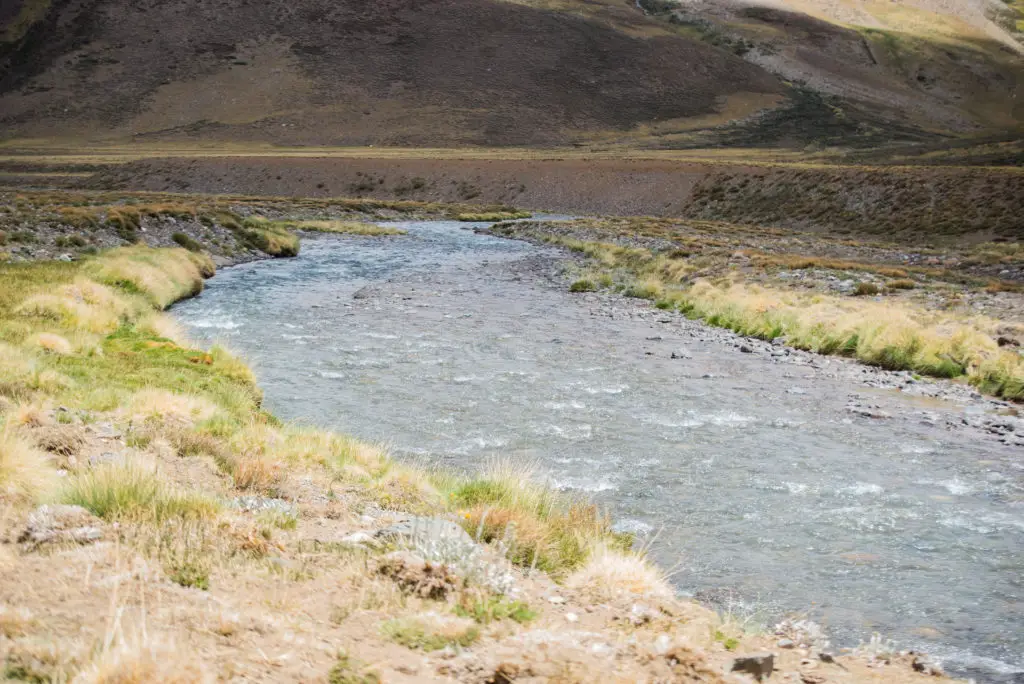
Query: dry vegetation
x=934, y=323
x=208, y=541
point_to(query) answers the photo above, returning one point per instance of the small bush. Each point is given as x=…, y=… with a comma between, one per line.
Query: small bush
x=486, y=610
x=431, y=632
x=349, y=671
x=583, y=285
x=187, y=242
x=901, y=284
x=866, y=290
x=25, y=471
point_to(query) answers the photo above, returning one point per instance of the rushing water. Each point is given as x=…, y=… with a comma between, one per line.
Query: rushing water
x=753, y=478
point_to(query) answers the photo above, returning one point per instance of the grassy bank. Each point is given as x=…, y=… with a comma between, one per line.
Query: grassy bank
x=206, y=485
x=870, y=325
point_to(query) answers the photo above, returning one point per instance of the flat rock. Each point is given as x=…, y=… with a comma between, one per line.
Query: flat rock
x=421, y=531
x=54, y=524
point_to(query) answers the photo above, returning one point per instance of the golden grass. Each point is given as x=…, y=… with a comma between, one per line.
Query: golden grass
x=144, y=662
x=162, y=405
x=162, y=276
x=345, y=227
x=131, y=491
x=536, y=526
x=25, y=472
x=53, y=343
x=889, y=334
x=613, y=574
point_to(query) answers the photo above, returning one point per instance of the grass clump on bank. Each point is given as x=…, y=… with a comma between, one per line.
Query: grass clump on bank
x=492, y=216
x=344, y=227
x=536, y=526
x=889, y=334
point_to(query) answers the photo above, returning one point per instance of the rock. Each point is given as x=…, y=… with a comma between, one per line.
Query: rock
x=785, y=643
x=681, y=354
x=640, y=614
x=65, y=257
x=54, y=524
x=359, y=537
x=417, y=576
x=922, y=665
x=418, y=527
x=745, y=349
x=826, y=657
x=556, y=600
x=572, y=617
x=759, y=665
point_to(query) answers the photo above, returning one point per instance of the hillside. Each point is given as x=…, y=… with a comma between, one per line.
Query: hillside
x=600, y=74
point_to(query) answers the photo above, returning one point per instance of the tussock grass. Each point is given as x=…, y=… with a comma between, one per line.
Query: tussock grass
x=887, y=335
x=143, y=662
x=345, y=227
x=612, y=574
x=891, y=334
x=535, y=525
x=130, y=491
x=53, y=343
x=493, y=216
x=25, y=472
x=161, y=276
x=271, y=237
x=162, y=405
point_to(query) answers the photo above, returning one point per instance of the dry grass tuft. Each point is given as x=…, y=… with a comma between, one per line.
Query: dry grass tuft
x=162, y=276
x=130, y=491
x=53, y=343
x=25, y=472
x=610, y=574
x=144, y=663
x=162, y=406
x=345, y=227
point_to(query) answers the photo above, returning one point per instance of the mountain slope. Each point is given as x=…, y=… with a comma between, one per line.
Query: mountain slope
x=609, y=73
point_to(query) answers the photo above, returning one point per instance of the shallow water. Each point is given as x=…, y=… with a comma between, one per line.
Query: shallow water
x=756, y=481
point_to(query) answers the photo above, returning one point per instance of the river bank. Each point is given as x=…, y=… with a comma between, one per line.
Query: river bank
x=767, y=484
x=160, y=524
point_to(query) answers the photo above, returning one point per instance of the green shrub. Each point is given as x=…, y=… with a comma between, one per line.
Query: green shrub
x=583, y=285
x=187, y=242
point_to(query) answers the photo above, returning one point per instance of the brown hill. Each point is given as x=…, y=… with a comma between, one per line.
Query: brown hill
x=608, y=73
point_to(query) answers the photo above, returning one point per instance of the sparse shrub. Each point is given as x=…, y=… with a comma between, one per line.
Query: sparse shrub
x=901, y=284
x=431, y=631
x=487, y=609
x=70, y=241
x=865, y=290
x=347, y=670
x=583, y=285
x=187, y=242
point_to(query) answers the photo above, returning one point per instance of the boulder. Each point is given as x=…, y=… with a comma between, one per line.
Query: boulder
x=55, y=524
x=421, y=531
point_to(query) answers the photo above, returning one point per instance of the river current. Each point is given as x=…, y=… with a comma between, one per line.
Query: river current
x=751, y=480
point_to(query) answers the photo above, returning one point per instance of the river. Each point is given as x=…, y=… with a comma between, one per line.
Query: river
x=751, y=479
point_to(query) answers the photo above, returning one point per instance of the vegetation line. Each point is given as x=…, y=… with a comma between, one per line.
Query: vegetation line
x=886, y=334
